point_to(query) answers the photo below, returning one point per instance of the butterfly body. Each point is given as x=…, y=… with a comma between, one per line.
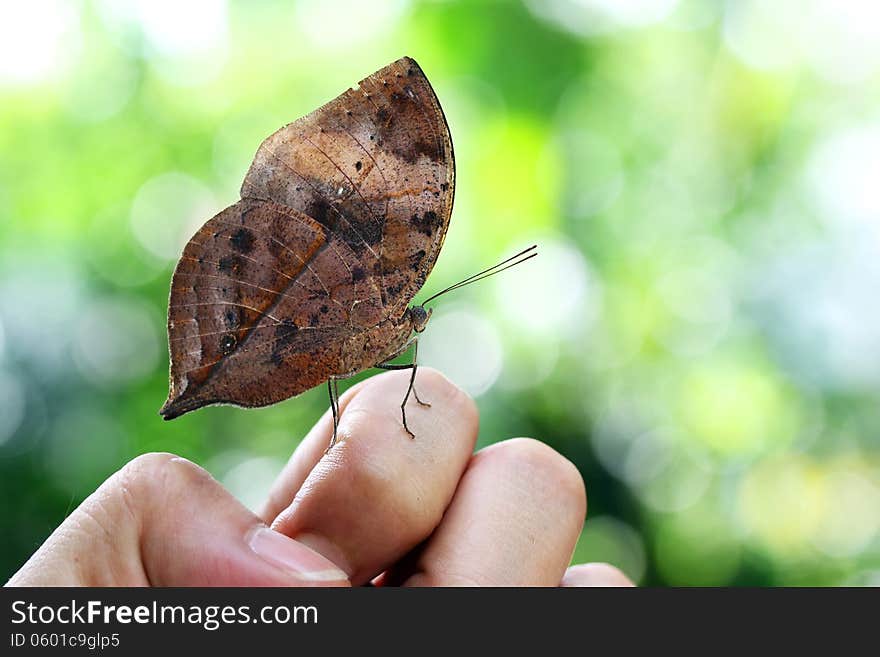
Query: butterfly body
x=309, y=277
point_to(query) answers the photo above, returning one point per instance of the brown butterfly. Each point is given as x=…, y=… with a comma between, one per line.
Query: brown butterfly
x=308, y=278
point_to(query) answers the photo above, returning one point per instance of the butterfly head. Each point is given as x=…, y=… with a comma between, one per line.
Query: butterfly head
x=419, y=317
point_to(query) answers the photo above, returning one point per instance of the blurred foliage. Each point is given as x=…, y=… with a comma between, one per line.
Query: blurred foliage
x=700, y=335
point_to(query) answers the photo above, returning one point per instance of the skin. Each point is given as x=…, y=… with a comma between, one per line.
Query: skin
x=378, y=507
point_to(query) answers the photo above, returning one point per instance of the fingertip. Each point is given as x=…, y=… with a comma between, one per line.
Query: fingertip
x=435, y=381
x=433, y=387
x=546, y=465
x=451, y=416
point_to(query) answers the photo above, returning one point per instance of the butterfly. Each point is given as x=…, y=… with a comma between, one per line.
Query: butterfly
x=309, y=277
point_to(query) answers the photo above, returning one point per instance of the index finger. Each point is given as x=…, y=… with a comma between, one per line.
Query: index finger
x=378, y=493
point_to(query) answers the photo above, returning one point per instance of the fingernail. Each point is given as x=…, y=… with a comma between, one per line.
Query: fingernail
x=292, y=556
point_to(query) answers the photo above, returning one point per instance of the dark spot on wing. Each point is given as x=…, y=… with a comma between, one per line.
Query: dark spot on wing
x=358, y=274
x=360, y=235
x=394, y=290
x=285, y=334
x=373, y=232
x=230, y=264
x=321, y=211
x=415, y=260
x=428, y=148
x=286, y=330
x=231, y=317
x=324, y=310
x=427, y=223
x=411, y=152
x=358, y=165
x=243, y=240
x=227, y=344
x=395, y=138
x=276, y=227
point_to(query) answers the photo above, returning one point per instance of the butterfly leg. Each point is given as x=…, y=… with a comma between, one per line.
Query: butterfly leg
x=412, y=382
x=332, y=388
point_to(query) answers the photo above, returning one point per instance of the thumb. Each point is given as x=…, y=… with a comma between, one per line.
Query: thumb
x=164, y=521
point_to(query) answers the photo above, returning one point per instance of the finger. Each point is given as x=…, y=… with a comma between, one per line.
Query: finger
x=594, y=574
x=164, y=521
x=379, y=493
x=514, y=521
x=304, y=458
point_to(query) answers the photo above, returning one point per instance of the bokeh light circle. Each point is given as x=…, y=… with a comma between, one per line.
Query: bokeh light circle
x=462, y=343
x=116, y=342
x=167, y=210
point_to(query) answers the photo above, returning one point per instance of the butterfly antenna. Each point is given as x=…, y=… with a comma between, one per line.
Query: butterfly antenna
x=512, y=261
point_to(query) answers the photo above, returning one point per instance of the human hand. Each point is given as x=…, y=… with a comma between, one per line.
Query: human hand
x=413, y=512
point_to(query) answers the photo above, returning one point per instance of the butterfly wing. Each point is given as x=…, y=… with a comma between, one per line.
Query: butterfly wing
x=342, y=217
x=375, y=167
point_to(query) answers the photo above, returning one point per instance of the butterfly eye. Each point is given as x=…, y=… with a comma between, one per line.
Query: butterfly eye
x=419, y=318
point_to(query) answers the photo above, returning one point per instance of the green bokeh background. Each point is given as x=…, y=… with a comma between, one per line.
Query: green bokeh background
x=700, y=334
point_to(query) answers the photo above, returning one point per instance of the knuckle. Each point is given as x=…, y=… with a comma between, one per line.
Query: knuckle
x=131, y=490
x=148, y=463
x=159, y=474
